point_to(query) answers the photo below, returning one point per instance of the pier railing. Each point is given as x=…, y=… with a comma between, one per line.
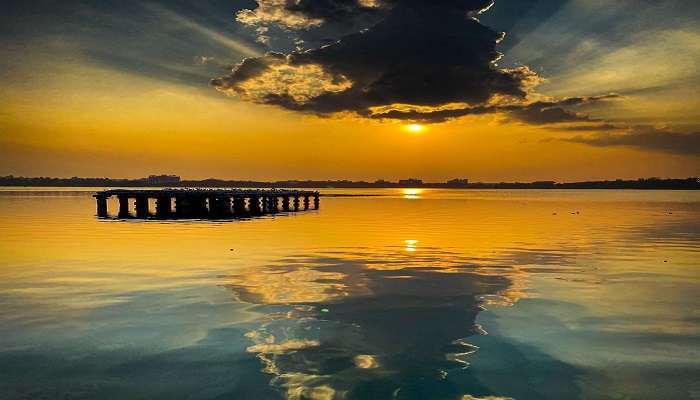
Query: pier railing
x=205, y=203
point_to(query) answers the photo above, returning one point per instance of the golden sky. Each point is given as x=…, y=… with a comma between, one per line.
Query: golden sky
x=86, y=99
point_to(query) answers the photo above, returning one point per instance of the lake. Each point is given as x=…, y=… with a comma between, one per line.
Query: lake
x=415, y=294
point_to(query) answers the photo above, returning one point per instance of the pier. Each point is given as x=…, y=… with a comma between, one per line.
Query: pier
x=204, y=203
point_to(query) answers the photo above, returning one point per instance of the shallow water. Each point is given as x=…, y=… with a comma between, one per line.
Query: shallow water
x=418, y=294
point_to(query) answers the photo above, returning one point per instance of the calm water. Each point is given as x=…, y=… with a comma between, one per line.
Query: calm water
x=415, y=295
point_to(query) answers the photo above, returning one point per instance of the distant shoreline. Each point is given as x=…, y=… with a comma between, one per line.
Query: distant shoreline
x=642, y=183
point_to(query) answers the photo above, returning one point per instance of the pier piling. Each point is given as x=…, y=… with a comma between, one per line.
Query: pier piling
x=123, y=206
x=101, y=206
x=238, y=205
x=163, y=206
x=142, y=207
x=253, y=205
x=220, y=206
x=182, y=206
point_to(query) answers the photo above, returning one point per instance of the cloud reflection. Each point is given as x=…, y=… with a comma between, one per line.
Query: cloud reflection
x=343, y=324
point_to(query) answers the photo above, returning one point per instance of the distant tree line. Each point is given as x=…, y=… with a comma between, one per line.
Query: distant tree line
x=175, y=181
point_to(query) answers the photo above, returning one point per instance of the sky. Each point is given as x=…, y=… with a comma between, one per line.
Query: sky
x=351, y=89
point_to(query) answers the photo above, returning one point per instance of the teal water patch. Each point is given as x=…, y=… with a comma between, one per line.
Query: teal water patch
x=542, y=349
x=154, y=345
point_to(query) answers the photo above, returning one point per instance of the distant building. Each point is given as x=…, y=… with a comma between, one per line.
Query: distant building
x=163, y=179
x=410, y=182
x=458, y=182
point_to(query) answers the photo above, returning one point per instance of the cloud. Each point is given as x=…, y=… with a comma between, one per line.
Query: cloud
x=274, y=79
x=428, y=56
x=421, y=61
x=646, y=138
x=555, y=112
x=589, y=128
x=470, y=397
x=536, y=113
x=309, y=14
x=285, y=347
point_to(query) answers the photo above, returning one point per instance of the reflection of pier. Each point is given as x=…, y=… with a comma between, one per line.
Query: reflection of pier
x=205, y=203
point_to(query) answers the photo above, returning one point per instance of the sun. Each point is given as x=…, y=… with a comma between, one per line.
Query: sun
x=414, y=128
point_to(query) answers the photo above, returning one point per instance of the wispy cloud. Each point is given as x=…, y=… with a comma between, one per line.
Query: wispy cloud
x=646, y=138
x=597, y=127
x=535, y=113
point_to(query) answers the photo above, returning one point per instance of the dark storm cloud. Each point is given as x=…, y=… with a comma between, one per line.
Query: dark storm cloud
x=422, y=54
x=647, y=138
x=307, y=14
x=336, y=10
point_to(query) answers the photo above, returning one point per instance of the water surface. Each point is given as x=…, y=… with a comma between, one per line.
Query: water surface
x=417, y=294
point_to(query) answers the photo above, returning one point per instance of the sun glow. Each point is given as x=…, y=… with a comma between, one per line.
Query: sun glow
x=414, y=128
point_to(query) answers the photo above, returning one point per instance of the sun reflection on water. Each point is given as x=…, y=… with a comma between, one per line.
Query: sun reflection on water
x=410, y=245
x=411, y=193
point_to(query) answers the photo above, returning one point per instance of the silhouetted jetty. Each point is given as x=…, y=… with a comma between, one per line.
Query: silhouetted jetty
x=205, y=203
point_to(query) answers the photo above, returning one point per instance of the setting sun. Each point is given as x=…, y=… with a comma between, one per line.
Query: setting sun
x=414, y=128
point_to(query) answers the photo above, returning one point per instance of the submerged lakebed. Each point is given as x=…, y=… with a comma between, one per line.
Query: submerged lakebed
x=405, y=294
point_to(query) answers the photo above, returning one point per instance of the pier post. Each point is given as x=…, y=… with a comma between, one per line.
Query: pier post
x=275, y=203
x=306, y=202
x=199, y=206
x=189, y=206
x=238, y=205
x=296, y=202
x=317, y=201
x=141, y=207
x=209, y=203
x=101, y=206
x=163, y=206
x=226, y=205
x=182, y=206
x=285, y=203
x=123, y=206
x=254, y=204
x=220, y=206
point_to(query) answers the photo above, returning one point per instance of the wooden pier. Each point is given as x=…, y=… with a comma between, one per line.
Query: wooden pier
x=205, y=203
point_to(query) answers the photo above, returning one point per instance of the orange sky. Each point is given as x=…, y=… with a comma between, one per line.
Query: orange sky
x=64, y=114
x=171, y=129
